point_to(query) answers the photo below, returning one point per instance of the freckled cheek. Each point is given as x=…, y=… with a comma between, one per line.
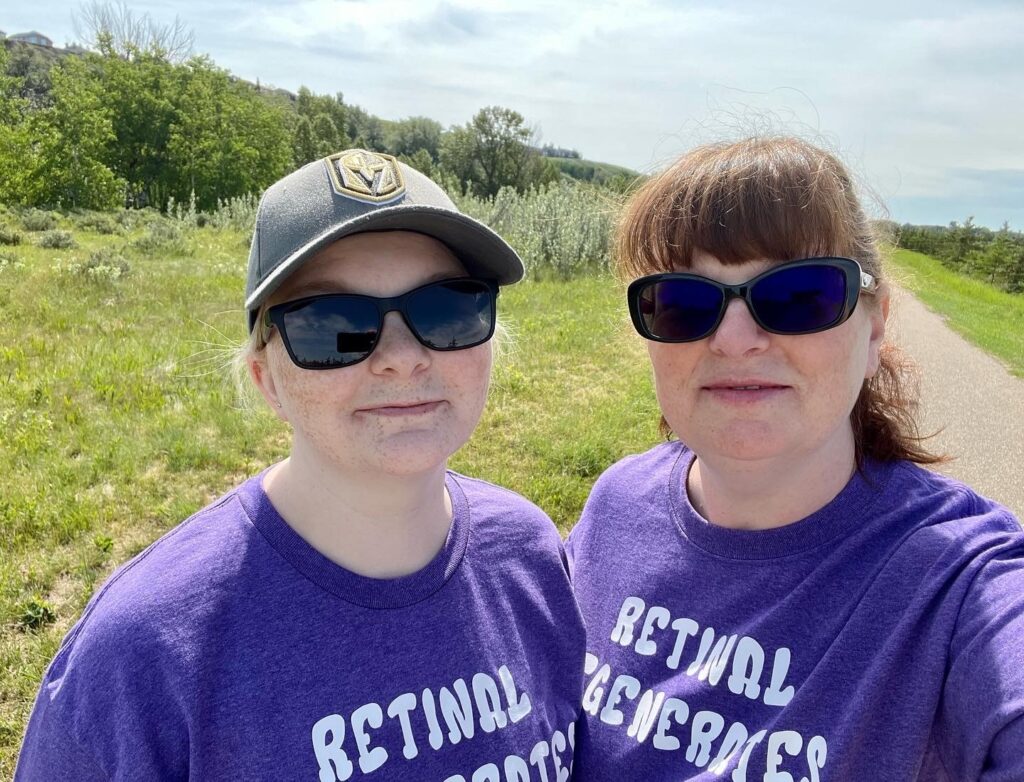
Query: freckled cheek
x=312, y=393
x=475, y=390
x=673, y=367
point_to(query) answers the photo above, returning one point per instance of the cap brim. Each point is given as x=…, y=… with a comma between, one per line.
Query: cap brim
x=482, y=251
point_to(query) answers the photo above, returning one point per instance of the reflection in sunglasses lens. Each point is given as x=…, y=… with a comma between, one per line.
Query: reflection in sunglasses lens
x=452, y=314
x=680, y=309
x=332, y=332
x=800, y=299
x=338, y=330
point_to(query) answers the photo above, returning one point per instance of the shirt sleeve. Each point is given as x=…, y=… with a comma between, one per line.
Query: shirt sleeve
x=109, y=707
x=49, y=752
x=981, y=716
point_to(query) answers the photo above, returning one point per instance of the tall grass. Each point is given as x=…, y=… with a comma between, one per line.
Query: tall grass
x=562, y=230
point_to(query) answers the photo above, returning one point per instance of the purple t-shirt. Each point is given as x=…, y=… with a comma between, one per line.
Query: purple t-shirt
x=230, y=649
x=881, y=638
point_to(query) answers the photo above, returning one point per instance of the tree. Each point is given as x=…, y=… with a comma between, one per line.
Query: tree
x=326, y=136
x=457, y=157
x=224, y=141
x=492, y=151
x=366, y=129
x=319, y=129
x=303, y=142
x=73, y=139
x=32, y=68
x=114, y=27
x=420, y=160
x=16, y=143
x=994, y=264
x=142, y=96
x=414, y=133
x=502, y=150
x=962, y=242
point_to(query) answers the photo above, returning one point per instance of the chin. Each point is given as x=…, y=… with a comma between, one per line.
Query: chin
x=415, y=453
x=739, y=443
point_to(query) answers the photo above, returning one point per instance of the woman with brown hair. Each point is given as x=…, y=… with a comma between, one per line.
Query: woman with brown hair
x=784, y=593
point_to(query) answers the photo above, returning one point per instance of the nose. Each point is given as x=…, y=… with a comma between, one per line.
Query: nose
x=738, y=334
x=398, y=351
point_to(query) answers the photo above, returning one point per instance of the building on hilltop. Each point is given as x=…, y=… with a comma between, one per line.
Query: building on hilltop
x=33, y=37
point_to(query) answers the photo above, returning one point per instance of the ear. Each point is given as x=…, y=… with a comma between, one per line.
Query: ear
x=263, y=378
x=878, y=315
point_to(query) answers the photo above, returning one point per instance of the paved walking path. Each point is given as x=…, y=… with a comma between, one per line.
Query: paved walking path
x=972, y=397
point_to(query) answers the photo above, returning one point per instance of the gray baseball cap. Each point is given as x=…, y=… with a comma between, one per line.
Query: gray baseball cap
x=353, y=192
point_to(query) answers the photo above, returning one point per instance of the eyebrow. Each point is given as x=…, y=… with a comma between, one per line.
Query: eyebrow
x=315, y=287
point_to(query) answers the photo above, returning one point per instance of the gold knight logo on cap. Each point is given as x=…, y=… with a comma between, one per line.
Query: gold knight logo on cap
x=366, y=176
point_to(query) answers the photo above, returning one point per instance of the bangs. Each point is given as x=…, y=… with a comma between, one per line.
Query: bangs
x=774, y=199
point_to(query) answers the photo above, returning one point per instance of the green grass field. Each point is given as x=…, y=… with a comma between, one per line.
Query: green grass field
x=120, y=420
x=988, y=317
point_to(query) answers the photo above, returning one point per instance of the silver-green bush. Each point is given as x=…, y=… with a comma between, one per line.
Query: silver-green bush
x=57, y=240
x=561, y=230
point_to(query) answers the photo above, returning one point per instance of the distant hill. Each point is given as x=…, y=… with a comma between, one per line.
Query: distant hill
x=596, y=172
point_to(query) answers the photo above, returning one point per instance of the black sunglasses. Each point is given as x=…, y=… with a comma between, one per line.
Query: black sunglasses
x=798, y=297
x=340, y=329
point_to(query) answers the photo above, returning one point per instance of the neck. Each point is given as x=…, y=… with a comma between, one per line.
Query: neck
x=766, y=494
x=376, y=525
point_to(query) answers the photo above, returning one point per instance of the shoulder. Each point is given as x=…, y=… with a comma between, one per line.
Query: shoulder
x=493, y=505
x=943, y=508
x=639, y=475
x=628, y=493
x=655, y=461
x=132, y=653
x=145, y=606
x=959, y=543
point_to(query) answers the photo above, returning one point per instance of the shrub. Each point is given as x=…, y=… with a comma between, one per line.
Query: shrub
x=38, y=220
x=57, y=240
x=9, y=236
x=133, y=218
x=164, y=236
x=97, y=222
x=238, y=213
x=561, y=230
x=126, y=218
x=105, y=265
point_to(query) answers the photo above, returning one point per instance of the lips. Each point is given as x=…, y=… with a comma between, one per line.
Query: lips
x=743, y=385
x=745, y=392
x=403, y=408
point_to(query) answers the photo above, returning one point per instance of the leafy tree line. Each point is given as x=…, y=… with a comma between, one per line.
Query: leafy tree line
x=997, y=257
x=136, y=130
x=134, y=127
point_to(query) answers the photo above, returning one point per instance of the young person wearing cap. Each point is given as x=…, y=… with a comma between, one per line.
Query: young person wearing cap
x=356, y=610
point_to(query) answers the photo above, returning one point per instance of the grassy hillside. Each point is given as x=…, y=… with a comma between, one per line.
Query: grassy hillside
x=598, y=173
x=985, y=315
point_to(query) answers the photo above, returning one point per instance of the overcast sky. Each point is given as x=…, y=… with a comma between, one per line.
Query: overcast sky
x=924, y=100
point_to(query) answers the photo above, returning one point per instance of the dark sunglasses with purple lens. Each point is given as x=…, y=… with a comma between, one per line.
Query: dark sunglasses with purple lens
x=796, y=297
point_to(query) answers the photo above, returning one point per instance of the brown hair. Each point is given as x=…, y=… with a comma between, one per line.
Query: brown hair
x=773, y=198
